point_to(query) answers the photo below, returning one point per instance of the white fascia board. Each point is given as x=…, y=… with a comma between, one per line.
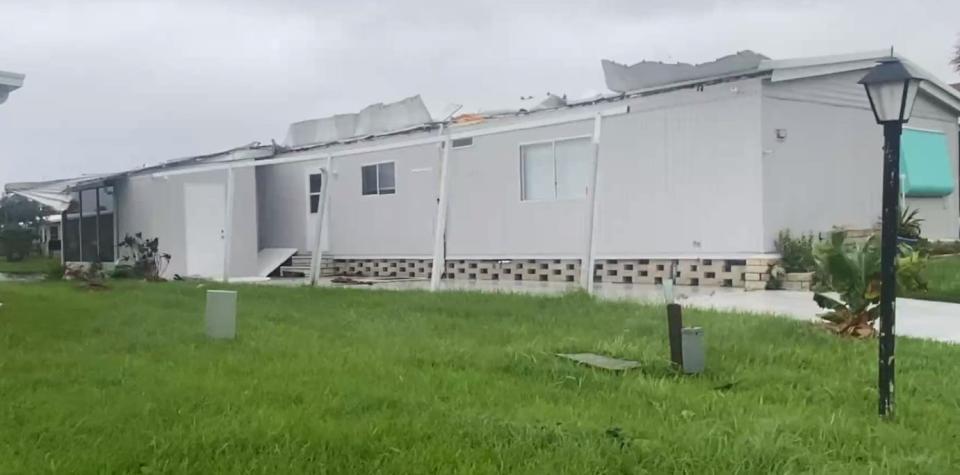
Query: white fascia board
x=322, y=153
x=774, y=64
x=944, y=95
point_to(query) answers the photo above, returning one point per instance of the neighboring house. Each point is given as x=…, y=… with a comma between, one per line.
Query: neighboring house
x=701, y=169
x=49, y=235
x=8, y=83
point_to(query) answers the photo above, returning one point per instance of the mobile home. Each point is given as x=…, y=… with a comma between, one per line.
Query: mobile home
x=698, y=170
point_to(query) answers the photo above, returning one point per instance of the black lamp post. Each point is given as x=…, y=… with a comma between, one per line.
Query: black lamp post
x=892, y=91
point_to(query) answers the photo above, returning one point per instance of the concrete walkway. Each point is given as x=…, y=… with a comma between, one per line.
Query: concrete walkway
x=917, y=318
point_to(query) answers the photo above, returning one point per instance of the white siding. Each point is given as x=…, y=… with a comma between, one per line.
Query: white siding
x=396, y=225
x=827, y=172
x=683, y=180
x=154, y=207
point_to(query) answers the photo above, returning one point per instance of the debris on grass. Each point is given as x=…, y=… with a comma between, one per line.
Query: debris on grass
x=600, y=361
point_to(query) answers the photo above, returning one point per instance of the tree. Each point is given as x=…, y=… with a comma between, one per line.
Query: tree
x=17, y=210
x=956, y=57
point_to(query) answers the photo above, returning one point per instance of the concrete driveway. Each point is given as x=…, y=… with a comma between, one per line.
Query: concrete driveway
x=917, y=318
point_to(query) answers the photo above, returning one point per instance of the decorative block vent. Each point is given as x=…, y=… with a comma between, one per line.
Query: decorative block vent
x=693, y=272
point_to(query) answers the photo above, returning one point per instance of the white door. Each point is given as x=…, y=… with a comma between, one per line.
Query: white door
x=314, y=195
x=204, y=205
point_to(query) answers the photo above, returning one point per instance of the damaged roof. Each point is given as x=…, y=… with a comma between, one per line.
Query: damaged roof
x=645, y=74
x=641, y=79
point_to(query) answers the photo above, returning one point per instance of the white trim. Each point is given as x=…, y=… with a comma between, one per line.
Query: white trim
x=918, y=129
x=553, y=143
x=317, y=258
x=440, y=229
x=938, y=92
x=310, y=155
x=586, y=269
x=228, y=226
x=376, y=166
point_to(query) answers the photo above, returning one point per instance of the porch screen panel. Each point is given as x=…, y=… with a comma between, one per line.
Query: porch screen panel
x=71, y=231
x=107, y=239
x=88, y=225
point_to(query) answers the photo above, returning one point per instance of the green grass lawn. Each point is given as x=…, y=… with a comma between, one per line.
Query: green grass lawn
x=359, y=381
x=943, y=274
x=31, y=265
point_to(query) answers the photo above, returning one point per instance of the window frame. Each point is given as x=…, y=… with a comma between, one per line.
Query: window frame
x=553, y=143
x=454, y=146
x=379, y=190
x=311, y=194
x=96, y=213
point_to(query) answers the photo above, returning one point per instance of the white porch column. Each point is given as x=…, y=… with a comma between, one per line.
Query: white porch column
x=439, y=253
x=228, y=226
x=586, y=265
x=317, y=259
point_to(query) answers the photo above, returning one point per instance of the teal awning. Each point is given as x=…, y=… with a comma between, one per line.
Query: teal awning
x=925, y=164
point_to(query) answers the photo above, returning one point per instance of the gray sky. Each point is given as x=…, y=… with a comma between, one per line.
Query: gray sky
x=113, y=85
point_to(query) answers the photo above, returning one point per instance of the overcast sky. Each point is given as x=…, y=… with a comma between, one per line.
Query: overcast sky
x=113, y=85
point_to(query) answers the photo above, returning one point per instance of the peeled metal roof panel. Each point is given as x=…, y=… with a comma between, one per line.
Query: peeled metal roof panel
x=375, y=119
x=623, y=78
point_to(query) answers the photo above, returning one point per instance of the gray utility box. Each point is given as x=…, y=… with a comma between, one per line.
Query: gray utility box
x=221, y=315
x=694, y=358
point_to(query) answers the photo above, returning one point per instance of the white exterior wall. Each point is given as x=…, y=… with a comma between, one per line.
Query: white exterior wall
x=827, y=172
x=397, y=225
x=680, y=175
x=486, y=218
x=155, y=207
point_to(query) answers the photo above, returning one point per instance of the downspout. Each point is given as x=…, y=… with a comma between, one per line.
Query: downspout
x=586, y=265
x=439, y=232
x=228, y=226
x=317, y=259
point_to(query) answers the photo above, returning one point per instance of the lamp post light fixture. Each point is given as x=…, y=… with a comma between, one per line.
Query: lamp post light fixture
x=892, y=90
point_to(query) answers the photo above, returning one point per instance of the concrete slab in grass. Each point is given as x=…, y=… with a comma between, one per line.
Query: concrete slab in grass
x=600, y=361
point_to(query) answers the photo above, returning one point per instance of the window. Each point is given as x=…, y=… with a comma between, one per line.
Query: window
x=316, y=185
x=558, y=170
x=378, y=179
x=925, y=164
x=462, y=143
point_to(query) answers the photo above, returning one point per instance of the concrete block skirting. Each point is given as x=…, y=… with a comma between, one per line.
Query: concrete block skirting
x=696, y=272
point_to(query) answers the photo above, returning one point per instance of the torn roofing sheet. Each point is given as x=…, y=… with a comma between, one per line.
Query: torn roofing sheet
x=374, y=119
x=623, y=78
x=54, y=194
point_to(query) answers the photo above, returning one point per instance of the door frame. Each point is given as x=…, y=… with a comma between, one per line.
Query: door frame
x=310, y=227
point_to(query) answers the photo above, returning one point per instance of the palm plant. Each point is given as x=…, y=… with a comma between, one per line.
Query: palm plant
x=853, y=271
x=909, y=224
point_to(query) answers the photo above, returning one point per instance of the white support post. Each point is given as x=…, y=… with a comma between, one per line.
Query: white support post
x=316, y=261
x=439, y=253
x=228, y=226
x=586, y=265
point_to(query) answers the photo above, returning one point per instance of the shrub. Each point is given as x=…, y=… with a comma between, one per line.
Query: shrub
x=908, y=226
x=144, y=258
x=796, y=253
x=938, y=248
x=853, y=271
x=54, y=271
x=17, y=242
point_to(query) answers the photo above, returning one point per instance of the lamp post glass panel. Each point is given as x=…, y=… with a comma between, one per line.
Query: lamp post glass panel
x=892, y=90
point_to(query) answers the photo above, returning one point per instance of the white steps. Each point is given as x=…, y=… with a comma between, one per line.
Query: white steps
x=300, y=266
